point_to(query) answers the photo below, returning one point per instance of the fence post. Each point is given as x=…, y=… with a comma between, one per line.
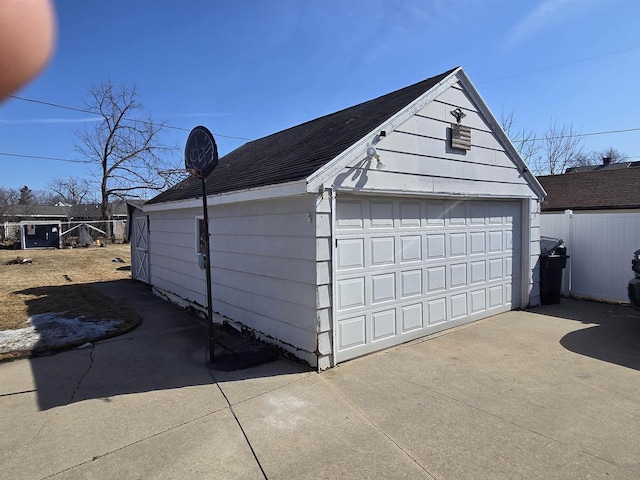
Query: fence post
x=568, y=227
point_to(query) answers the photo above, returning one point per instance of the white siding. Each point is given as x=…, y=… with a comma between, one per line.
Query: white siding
x=174, y=262
x=264, y=270
x=418, y=161
x=417, y=157
x=533, y=278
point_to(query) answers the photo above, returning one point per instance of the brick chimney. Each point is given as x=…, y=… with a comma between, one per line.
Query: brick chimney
x=606, y=161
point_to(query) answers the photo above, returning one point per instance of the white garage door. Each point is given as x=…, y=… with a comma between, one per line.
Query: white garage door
x=409, y=267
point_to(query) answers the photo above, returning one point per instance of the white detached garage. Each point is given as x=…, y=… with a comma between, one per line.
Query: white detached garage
x=384, y=222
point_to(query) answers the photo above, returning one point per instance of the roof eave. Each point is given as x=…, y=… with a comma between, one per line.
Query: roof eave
x=280, y=190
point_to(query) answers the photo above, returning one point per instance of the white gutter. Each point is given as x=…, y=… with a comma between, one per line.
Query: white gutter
x=258, y=193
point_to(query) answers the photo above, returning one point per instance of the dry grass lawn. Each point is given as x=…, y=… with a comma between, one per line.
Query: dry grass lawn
x=60, y=281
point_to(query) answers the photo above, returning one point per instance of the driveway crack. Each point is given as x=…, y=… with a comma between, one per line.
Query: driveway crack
x=73, y=396
x=253, y=452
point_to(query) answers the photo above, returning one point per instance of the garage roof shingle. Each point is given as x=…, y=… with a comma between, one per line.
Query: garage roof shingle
x=295, y=153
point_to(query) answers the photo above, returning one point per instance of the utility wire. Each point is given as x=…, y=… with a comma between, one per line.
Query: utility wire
x=558, y=65
x=73, y=109
x=609, y=132
x=6, y=154
x=575, y=135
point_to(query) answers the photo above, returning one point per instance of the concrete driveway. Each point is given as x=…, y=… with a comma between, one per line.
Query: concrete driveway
x=549, y=393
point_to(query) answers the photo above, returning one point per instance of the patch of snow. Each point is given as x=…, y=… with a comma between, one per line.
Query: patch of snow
x=47, y=330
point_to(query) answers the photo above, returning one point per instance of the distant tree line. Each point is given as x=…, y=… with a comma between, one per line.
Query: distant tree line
x=124, y=153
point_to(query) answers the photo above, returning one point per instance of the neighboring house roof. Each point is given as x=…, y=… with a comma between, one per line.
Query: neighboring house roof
x=295, y=153
x=94, y=210
x=599, y=168
x=83, y=211
x=592, y=190
x=32, y=211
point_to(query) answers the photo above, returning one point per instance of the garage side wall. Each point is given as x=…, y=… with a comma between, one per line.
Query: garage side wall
x=173, y=258
x=265, y=274
x=264, y=269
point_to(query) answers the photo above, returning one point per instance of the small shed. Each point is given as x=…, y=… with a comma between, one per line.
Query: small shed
x=40, y=234
x=396, y=218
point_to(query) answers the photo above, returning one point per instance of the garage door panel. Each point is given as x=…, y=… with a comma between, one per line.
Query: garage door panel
x=457, y=245
x=478, y=243
x=435, y=246
x=413, y=267
x=437, y=311
x=496, y=296
x=435, y=214
x=458, y=275
x=478, y=214
x=381, y=215
x=478, y=300
x=410, y=215
x=383, y=251
x=383, y=288
x=478, y=270
x=411, y=283
x=351, y=293
x=352, y=332
x=496, y=271
x=350, y=215
x=384, y=324
x=350, y=253
x=495, y=241
x=412, y=317
x=457, y=214
x=458, y=306
x=436, y=279
x=410, y=248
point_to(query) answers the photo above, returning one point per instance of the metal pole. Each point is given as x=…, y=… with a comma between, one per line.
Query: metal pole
x=207, y=267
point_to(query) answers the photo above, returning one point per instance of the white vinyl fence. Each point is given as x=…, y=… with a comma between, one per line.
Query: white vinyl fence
x=600, y=246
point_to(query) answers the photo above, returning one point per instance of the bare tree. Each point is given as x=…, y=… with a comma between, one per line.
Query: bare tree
x=615, y=155
x=8, y=198
x=125, y=145
x=525, y=141
x=561, y=149
x=71, y=190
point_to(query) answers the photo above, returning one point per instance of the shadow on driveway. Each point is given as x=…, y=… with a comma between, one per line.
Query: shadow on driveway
x=167, y=351
x=612, y=332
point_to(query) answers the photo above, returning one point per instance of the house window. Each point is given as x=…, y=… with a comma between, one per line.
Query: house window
x=202, y=239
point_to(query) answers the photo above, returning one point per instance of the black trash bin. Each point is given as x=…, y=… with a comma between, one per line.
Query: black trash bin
x=553, y=260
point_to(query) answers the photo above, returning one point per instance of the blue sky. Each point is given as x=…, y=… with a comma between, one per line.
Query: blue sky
x=248, y=68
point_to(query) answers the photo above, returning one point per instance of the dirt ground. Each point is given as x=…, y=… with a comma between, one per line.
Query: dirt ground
x=53, y=281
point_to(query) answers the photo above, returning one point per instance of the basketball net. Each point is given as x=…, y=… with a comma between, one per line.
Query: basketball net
x=178, y=178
